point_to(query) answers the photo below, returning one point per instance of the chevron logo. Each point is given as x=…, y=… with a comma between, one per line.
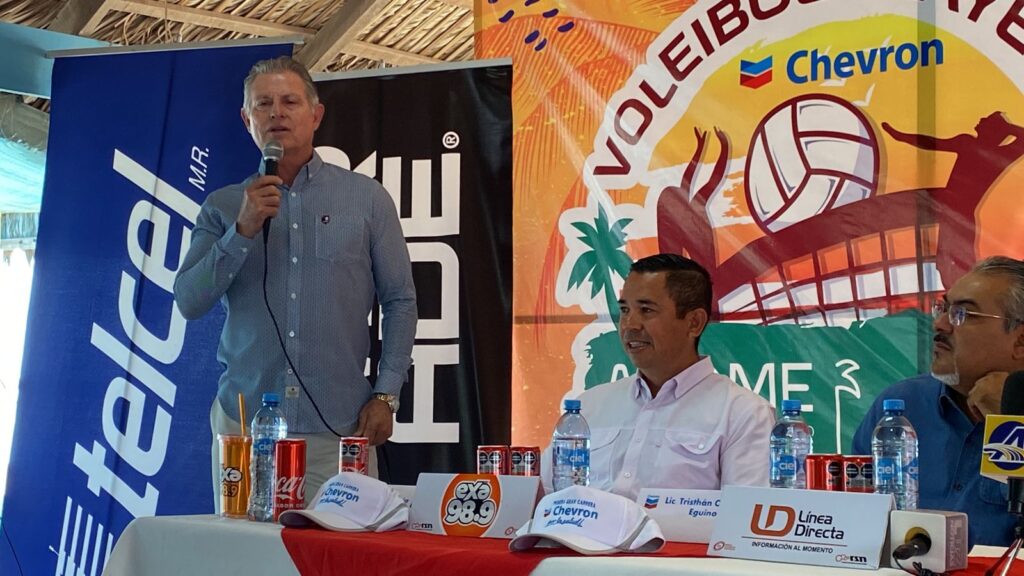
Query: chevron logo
x=755, y=74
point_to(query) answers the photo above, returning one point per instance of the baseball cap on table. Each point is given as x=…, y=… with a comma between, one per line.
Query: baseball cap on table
x=590, y=522
x=351, y=502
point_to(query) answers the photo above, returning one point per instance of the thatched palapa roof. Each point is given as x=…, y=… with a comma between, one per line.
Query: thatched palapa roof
x=339, y=35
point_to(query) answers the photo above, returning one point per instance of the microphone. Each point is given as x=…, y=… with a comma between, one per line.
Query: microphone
x=1002, y=455
x=1002, y=458
x=916, y=545
x=937, y=540
x=272, y=154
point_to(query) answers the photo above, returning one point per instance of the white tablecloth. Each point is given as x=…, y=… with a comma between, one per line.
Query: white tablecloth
x=208, y=545
x=198, y=545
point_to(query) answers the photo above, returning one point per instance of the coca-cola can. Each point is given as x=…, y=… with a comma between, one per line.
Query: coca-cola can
x=524, y=461
x=290, y=472
x=859, y=474
x=492, y=459
x=354, y=454
x=825, y=472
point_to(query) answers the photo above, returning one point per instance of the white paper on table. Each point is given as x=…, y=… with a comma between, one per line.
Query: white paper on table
x=980, y=551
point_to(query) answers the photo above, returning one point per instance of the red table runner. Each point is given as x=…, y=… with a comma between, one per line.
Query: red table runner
x=323, y=553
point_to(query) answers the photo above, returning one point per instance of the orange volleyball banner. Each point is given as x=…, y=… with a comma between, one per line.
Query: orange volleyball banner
x=835, y=165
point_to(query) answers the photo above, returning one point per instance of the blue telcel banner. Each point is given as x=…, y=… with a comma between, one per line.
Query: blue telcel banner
x=113, y=415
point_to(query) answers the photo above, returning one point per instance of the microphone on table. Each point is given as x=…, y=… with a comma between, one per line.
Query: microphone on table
x=935, y=539
x=1002, y=457
x=918, y=543
x=272, y=154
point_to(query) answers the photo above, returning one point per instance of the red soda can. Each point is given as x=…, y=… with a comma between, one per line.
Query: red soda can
x=354, y=454
x=825, y=472
x=290, y=472
x=524, y=461
x=859, y=474
x=492, y=459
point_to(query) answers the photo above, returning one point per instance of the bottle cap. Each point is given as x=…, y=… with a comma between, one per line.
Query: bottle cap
x=572, y=404
x=271, y=398
x=791, y=405
x=892, y=404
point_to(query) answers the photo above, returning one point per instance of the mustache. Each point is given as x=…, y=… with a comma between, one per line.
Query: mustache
x=633, y=335
x=943, y=339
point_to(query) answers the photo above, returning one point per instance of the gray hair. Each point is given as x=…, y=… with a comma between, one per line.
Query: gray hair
x=277, y=66
x=1013, y=305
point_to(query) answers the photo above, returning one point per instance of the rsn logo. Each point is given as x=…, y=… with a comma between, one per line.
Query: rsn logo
x=1004, y=448
x=851, y=559
x=805, y=66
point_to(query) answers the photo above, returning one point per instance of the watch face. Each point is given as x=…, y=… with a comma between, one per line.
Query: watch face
x=390, y=399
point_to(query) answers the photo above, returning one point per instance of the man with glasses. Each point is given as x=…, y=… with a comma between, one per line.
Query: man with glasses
x=979, y=340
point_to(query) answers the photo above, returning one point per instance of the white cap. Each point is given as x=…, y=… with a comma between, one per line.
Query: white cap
x=590, y=522
x=351, y=502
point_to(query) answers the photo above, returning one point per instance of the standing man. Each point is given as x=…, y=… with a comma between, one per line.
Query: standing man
x=979, y=340
x=335, y=243
x=676, y=423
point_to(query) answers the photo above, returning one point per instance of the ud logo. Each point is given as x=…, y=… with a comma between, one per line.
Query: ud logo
x=765, y=529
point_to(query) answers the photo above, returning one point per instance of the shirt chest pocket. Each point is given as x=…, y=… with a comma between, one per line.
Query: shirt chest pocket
x=993, y=492
x=602, y=452
x=342, y=239
x=689, y=459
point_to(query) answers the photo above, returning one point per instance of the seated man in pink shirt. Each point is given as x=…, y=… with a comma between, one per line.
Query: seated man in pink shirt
x=676, y=423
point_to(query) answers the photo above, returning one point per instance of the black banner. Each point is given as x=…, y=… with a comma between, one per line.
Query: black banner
x=441, y=143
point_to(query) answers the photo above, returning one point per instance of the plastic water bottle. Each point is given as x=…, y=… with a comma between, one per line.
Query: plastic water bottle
x=268, y=426
x=791, y=441
x=570, y=448
x=894, y=451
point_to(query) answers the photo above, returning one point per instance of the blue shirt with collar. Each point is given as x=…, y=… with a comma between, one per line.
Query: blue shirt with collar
x=335, y=245
x=949, y=457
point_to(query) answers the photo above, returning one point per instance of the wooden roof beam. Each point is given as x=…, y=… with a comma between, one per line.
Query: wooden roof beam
x=348, y=22
x=242, y=25
x=80, y=17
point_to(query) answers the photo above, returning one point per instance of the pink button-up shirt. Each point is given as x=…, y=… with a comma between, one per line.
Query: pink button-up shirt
x=702, y=431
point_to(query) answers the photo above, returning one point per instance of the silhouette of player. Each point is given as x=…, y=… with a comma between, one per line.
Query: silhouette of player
x=980, y=161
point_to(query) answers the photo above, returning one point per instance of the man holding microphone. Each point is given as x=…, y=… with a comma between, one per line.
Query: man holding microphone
x=335, y=243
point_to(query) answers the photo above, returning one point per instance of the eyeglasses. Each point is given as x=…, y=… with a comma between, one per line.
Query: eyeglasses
x=957, y=314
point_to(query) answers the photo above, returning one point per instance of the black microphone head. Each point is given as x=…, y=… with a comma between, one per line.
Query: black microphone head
x=1012, y=403
x=272, y=154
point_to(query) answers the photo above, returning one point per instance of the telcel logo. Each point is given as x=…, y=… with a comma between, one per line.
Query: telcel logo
x=812, y=66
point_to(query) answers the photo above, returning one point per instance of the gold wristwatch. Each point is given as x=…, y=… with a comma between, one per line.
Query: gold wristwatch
x=390, y=399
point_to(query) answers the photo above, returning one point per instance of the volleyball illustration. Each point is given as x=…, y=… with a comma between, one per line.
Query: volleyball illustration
x=808, y=155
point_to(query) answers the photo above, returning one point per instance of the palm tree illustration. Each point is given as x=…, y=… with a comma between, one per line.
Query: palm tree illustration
x=605, y=256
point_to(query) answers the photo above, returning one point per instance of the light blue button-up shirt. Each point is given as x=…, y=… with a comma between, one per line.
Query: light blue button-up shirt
x=335, y=244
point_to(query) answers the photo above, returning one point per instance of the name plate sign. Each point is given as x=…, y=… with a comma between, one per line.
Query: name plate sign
x=476, y=505
x=840, y=529
x=683, y=515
